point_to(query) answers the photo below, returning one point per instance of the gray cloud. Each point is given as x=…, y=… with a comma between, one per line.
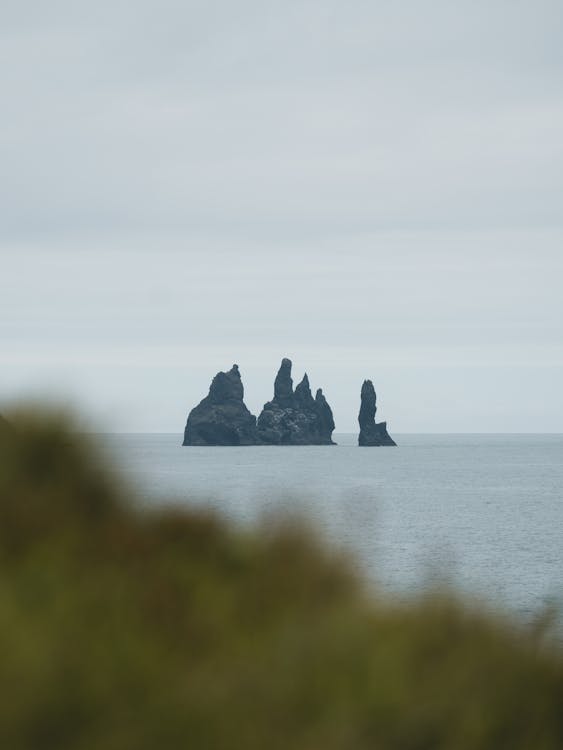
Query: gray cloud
x=369, y=187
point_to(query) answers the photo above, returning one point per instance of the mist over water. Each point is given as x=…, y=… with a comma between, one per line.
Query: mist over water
x=482, y=512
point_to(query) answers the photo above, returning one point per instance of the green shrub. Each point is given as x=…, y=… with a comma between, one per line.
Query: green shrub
x=123, y=629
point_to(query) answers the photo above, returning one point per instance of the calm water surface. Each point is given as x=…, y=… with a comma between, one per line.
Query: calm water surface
x=483, y=512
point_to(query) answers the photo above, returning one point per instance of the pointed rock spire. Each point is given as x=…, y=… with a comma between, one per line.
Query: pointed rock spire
x=283, y=384
x=303, y=396
x=295, y=418
x=222, y=417
x=324, y=414
x=371, y=433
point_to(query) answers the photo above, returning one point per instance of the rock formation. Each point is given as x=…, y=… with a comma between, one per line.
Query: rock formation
x=295, y=418
x=290, y=418
x=371, y=432
x=222, y=417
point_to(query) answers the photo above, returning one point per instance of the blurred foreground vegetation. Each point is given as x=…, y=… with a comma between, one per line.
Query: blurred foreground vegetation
x=123, y=629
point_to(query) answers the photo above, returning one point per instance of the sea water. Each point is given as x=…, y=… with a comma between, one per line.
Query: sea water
x=481, y=513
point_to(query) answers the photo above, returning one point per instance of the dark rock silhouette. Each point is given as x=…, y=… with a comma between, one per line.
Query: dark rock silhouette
x=371, y=432
x=283, y=384
x=295, y=418
x=222, y=417
x=324, y=415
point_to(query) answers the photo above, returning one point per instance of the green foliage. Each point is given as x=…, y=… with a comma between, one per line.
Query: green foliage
x=123, y=629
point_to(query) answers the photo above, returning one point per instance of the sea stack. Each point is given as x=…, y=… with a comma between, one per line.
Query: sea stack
x=371, y=432
x=295, y=417
x=222, y=417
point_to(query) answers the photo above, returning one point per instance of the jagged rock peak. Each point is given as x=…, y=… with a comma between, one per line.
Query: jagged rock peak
x=303, y=395
x=295, y=418
x=283, y=384
x=227, y=385
x=324, y=414
x=222, y=418
x=371, y=433
x=368, y=406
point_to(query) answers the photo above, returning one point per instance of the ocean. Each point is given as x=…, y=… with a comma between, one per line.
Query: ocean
x=482, y=513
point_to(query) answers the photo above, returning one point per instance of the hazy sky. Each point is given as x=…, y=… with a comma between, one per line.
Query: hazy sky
x=374, y=189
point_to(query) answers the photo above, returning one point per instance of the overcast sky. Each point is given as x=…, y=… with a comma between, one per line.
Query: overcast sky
x=374, y=189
